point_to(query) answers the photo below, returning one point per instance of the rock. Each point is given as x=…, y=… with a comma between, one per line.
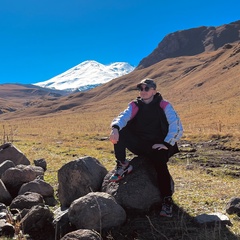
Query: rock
x=38, y=186
x=50, y=201
x=41, y=163
x=82, y=234
x=38, y=223
x=96, y=210
x=61, y=223
x=26, y=200
x=5, y=196
x=233, y=206
x=6, y=165
x=78, y=178
x=9, y=152
x=3, y=215
x=212, y=218
x=15, y=177
x=3, y=207
x=6, y=229
x=136, y=191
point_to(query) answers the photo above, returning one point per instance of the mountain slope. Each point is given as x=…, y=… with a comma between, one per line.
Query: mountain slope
x=204, y=89
x=14, y=97
x=193, y=41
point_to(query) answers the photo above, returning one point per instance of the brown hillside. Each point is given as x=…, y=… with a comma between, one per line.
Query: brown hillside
x=15, y=97
x=204, y=89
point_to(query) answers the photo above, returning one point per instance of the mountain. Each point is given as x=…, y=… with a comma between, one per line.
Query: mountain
x=192, y=41
x=203, y=87
x=87, y=75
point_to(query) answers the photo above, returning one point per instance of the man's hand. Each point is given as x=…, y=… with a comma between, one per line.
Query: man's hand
x=114, y=136
x=159, y=146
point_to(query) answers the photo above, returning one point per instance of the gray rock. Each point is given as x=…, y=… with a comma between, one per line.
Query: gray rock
x=61, y=223
x=9, y=152
x=3, y=207
x=137, y=190
x=96, y=210
x=233, y=206
x=82, y=234
x=5, y=196
x=41, y=163
x=38, y=222
x=212, y=219
x=6, y=165
x=3, y=215
x=79, y=177
x=38, y=186
x=6, y=229
x=15, y=177
x=26, y=200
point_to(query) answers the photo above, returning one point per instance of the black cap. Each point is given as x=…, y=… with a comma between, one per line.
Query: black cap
x=149, y=82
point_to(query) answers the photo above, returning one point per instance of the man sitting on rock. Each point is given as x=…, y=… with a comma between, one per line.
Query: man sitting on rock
x=149, y=127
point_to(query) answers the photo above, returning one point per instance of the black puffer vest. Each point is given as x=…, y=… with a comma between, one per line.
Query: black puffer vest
x=150, y=122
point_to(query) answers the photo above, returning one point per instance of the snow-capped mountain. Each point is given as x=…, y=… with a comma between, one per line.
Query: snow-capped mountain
x=87, y=75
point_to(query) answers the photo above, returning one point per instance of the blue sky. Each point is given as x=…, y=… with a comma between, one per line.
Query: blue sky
x=40, y=39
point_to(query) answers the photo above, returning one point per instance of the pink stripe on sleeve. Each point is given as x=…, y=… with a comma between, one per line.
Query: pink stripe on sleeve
x=134, y=109
x=163, y=104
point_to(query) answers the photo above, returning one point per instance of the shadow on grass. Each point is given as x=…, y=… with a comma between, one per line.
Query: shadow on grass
x=153, y=227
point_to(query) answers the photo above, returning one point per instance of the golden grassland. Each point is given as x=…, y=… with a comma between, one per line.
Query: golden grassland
x=65, y=137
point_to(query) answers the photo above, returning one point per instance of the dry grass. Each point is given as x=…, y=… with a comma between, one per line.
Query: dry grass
x=62, y=138
x=198, y=192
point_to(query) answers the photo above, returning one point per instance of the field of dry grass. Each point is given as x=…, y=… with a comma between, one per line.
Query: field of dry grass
x=64, y=137
x=204, y=90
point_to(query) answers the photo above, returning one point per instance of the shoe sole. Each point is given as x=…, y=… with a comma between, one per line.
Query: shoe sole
x=165, y=215
x=124, y=174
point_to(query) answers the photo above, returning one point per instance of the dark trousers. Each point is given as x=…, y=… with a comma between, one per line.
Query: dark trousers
x=159, y=158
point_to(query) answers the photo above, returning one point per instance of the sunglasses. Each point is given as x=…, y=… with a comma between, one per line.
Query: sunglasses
x=146, y=89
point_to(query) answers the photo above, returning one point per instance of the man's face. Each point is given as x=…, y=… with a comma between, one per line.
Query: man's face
x=146, y=92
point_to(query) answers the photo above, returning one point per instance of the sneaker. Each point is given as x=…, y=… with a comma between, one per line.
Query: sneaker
x=121, y=171
x=167, y=207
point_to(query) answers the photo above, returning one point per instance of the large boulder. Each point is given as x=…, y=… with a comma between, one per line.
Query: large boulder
x=138, y=190
x=97, y=211
x=15, y=177
x=9, y=152
x=79, y=177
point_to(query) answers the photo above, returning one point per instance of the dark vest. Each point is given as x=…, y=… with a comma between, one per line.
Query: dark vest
x=150, y=122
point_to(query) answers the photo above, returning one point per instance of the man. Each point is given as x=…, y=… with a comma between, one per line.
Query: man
x=149, y=127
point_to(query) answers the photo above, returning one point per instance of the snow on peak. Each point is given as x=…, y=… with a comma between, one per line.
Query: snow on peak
x=87, y=75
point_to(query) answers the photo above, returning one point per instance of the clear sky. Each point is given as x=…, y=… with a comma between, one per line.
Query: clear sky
x=40, y=39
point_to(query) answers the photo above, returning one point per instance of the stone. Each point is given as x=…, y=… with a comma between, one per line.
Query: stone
x=82, y=234
x=138, y=190
x=78, y=178
x=9, y=152
x=96, y=210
